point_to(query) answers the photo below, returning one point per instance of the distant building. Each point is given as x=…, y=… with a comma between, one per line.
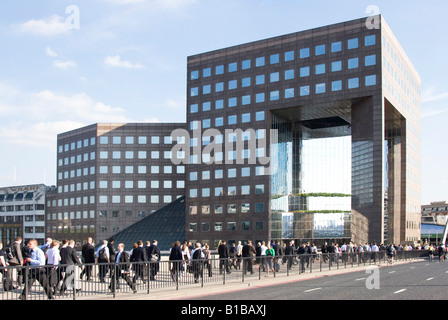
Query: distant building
x=22, y=212
x=435, y=212
x=110, y=176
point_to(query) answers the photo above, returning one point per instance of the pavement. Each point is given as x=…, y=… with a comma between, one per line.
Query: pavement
x=191, y=291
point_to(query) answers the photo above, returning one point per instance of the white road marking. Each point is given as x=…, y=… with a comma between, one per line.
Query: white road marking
x=429, y=279
x=399, y=291
x=312, y=289
x=360, y=279
x=392, y=272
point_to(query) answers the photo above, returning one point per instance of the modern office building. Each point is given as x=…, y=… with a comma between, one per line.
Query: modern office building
x=110, y=176
x=329, y=140
x=22, y=212
x=435, y=213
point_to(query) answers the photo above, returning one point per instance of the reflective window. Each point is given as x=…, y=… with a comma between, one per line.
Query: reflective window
x=320, y=68
x=304, y=53
x=320, y=87
x=336, y=66
x=259, y=79
x=194, y=108
x=370, y=60
x=289, y=55
x=259, y=97
x=336, y=46
x=233, y=67
x=206, y=89
x=304, y=90
x=370, y=80
x=245, y=117
x=259, y=116
x=320, y=50
x=274, y=95
x=274, y=77
x=352, y=43
x=219, y=104
x=353, y=63
x=231, y=119
x=259, y=62
x=289, y=74
x=207, y=72
x=219, y=122
x=233, y=84
x=274, y=58
x=369, y=40
x=245, y=82
x=353, y=83
x=219, y=69
x=194, y=75
x=194, y=91
x=304, y=71
x=232, y=102
x=219, y=86
x=206, y=106
x=289, y=93
x=336, y=85
x=245, y=100
x=245, y=64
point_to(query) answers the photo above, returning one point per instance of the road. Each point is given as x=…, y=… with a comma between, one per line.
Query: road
x=412, y=281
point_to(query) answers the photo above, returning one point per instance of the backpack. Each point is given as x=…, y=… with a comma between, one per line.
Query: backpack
x=9, y=253
x=102, y=256
x=197, y=254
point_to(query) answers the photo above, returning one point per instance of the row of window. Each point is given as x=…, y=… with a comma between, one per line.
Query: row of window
x=230, y=120
x=230, y=226
x=226, y=191
x=141, y=199
x=318, y=50
x=305, y=71
x=229, y=208
x=231, y=173
x=142, y=155
x=78, y=215
x=129, y=140
x=273, y=95
x=141, y=184
x=18, y=208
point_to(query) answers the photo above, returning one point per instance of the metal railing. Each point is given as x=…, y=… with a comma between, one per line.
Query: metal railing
x=111, y=279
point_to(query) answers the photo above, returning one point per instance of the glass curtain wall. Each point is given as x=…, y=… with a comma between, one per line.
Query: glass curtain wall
x=310, y=183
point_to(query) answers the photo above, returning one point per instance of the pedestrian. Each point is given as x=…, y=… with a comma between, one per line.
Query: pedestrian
x=185, y=257
x=223, y=252
x=263, y=254
x=239, y=255
x=154, y=256
x=88, y=257
x=289, y=254
x=138, y=257
x=71, y=262
x=301, y=252
x=278, y=251
x=36, y=270
x=102, y=258
x=175, y=259
x=110, y=246
x=248, y=253
x=197, y=261
x=47, y=245
x=53, y=260
x=5, y=271
x=269, y=259
x=121, y=270
x=207, y=259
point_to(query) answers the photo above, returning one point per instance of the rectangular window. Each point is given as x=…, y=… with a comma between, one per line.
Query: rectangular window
x=304, y=53
x=370, y=80
x=259, y=62
x=336, y=66
x=289, y=93
x=289, y=74
x=289, y=55
x=336, y=46
x=274, y=77
x=219, y=70
x=352, y=43
x=304, y=90
x=320, y=68
x=207, y=72
x=245, y=100
x=194, y=75
x=320, y=50
x=353, y=83
x=320, y=88
x=369, y=40
x=336, y=85
x=304, y=71
x=259, y=97
x=233, y=67
x=259, y=116
x=274, y=58
x=274, y=95
x=353, y=63
x=259, y=79
x=245, y=64
x=233, y=84
x=370, y=60
x=245, y=82
x=219, y=86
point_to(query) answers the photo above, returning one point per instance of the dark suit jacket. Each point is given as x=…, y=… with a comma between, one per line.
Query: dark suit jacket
x=176, y=254
x=223, y=251
x=248, y=251
x=68, y=256
x=153, y=249
x=88, y=253
x=123, y=261
x=138, y=254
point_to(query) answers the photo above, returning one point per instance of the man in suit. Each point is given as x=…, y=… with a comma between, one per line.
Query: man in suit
x=71, y=261
x=223, y=252
x=153, y=251
x=110, y=246
x=88, y=256
x=248, y=255
x=138, y=256
x=121, y=269
x=289, y=253
x=176, y=258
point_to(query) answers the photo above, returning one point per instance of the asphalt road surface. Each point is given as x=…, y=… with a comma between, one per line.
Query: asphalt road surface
x=411, y=281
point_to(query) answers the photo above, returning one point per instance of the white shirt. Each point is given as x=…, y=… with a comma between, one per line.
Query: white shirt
x=263, y=250
x=53, y=256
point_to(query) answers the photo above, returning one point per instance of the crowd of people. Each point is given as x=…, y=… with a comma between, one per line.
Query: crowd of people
x=63, y=267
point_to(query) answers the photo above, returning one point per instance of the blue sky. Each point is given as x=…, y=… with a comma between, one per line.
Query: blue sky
x=125, y=61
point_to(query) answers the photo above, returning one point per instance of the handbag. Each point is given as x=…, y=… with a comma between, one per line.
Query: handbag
x=154, y=257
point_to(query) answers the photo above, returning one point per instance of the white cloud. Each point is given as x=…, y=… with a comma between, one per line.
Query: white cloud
x=64, y=64
x=50, y=52
x=51, y=26
x=115, y=61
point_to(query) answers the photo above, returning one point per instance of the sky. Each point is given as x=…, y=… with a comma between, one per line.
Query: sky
x=68, y=64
